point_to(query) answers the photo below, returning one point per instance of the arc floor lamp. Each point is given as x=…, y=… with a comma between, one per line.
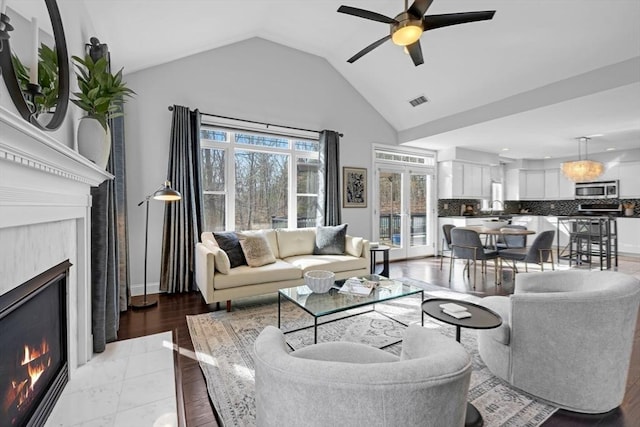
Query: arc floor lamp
x=167, y=194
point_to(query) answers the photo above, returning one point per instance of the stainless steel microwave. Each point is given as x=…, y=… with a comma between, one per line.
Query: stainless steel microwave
x=597, y=190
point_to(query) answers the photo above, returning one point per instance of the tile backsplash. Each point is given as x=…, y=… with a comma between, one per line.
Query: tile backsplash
x=452, y=207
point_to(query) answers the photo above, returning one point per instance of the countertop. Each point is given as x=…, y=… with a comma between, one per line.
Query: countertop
x=508, y=216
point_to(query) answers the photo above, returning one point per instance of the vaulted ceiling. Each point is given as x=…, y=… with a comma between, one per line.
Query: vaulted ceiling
x=537, y=76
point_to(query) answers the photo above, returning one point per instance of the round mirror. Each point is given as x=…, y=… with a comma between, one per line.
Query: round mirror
x=40, y=97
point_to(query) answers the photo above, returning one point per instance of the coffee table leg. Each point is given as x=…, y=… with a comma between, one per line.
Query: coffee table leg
x=473, y=417
x=315, y=330
x=458, y=333
x=279, y=298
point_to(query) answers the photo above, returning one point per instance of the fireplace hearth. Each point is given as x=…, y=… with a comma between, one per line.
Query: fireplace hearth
x=33, y=337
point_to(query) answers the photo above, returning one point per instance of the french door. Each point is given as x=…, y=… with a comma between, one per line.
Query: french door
x=404, y=212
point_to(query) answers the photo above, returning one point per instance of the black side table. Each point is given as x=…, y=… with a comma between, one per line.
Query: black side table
x=385, y=260
x=481, y=318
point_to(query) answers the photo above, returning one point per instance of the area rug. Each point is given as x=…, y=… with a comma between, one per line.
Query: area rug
x=223, y=343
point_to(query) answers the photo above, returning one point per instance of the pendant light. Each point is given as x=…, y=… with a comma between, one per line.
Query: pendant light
x=582, y=170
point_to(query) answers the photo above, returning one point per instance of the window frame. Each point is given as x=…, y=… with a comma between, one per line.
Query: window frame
x=230, y=148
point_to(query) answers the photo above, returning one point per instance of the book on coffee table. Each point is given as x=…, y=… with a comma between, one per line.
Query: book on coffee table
x=356, y=286
x=457, y=314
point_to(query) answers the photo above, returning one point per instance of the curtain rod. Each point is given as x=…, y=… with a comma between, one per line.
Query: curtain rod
x=257, y=123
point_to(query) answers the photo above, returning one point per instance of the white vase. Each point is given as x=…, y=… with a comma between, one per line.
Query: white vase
x=94, y=142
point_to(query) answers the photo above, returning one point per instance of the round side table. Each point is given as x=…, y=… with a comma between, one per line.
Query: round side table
x=385, y=260
x=481, y=318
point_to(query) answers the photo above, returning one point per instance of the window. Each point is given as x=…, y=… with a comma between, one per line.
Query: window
x=254, y=180
x=496, y=203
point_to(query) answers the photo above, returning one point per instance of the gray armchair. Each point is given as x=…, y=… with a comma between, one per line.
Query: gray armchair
x=349, y=384
x=566, y=337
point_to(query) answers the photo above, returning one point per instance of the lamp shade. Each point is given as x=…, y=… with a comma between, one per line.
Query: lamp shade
x=166, y=193
x=582, y=170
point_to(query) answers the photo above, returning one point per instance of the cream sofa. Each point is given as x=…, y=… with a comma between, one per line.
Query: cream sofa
x=293, y=250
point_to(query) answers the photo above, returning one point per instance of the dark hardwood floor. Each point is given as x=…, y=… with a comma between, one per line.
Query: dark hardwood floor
x=170, y=315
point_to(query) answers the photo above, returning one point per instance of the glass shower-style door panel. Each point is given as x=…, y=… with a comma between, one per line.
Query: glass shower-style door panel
x=390, y=208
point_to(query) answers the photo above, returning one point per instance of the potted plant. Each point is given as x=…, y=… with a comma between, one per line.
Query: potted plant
x=47, y=79
x=101, y=96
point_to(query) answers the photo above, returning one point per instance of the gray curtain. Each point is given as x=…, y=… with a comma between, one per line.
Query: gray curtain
x=109, y=245
x=329, y=194
x=182, y=219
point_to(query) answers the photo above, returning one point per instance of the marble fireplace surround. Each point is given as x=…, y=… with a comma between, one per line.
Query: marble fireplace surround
x=45, y=218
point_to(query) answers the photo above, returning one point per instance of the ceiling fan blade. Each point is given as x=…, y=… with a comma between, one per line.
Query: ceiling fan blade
x=368, y=49
x=366, y=14
x=415, y=50
x=431, y=22
x=419, y=7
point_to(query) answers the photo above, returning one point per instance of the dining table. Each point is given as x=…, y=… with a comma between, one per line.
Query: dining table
x=493, y=233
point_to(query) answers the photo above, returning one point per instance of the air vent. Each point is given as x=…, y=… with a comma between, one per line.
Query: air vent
x=419, y=100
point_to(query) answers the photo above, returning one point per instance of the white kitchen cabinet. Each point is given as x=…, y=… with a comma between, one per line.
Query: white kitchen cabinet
x=533, y=185
x=628, y=235
x=566, y=188
x=551, y=184
x=628, y=173
x=537, y=184
x=461, y=180
x=557, y=186
x=512, y=184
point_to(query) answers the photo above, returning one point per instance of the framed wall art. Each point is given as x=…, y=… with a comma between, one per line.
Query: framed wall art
x=354, y=187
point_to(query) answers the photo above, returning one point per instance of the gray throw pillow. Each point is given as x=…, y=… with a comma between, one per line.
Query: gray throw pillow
x=330, y=240
x=228, y=242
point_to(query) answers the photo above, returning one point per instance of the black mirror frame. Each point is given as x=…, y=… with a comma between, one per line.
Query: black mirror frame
x=13, y=86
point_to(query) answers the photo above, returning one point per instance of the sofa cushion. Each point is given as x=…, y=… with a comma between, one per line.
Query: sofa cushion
x=353, y=246
x=300, y=241
x=335, y=263
x=244, y=275
x=256, y=249
x=330, y=240
x=221, y=260
x=229, y=242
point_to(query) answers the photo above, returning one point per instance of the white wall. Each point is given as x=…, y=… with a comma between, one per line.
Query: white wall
x=256, y=80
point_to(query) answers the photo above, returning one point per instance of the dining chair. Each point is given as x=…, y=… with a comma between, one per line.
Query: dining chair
x=446, y=238
x=538, y=253
x=466, y=244
x=505, y=241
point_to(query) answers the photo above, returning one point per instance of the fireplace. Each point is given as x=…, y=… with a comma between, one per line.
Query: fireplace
x=33, y=362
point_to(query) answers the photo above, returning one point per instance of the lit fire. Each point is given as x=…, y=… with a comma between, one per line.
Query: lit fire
x=36, y=360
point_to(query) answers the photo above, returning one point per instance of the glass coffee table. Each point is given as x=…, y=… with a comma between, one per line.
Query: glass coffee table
x=319, y=305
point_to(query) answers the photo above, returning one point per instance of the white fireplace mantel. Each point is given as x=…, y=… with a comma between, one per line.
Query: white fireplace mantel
x=45, y=218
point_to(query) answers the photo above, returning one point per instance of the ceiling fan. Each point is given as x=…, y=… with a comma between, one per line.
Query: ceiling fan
x=408, y=26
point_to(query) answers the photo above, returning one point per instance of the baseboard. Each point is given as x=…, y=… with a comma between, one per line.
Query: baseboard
x=152, y=288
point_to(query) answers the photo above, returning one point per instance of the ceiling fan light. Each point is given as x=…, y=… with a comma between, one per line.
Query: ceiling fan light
x=406, y=33
x=582, y=170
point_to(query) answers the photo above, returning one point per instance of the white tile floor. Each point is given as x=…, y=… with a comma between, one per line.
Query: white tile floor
x=130, y=384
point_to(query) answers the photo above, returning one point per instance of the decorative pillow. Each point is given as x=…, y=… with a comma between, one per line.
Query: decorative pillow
x=299, y=241
x=353, y=246
x=330, y=240
x=228, y=242
x=220, y=258
x=256, y=249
